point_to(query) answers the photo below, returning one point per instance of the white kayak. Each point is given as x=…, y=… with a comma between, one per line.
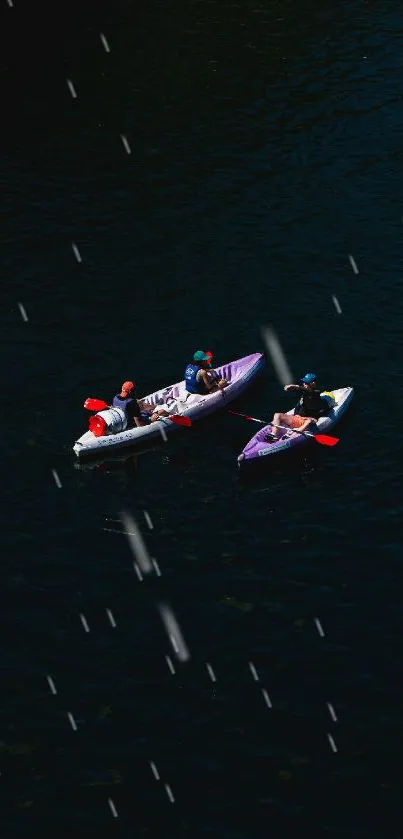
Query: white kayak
x=259, y=446
x=239, y=374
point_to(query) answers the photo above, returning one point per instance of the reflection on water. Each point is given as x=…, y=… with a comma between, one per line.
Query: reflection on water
x=127, y=461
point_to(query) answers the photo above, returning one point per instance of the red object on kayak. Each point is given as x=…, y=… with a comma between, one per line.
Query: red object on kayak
x=97, y=425
x=177, y=419
x=95, y=404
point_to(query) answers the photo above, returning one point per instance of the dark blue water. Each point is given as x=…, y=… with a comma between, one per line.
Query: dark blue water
x=265, y=149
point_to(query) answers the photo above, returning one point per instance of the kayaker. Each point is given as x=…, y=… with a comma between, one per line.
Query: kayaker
x=138, y=413
x=310, y=407
x=200, y=378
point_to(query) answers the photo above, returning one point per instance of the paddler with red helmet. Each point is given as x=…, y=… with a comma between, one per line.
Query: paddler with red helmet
x=137, y=412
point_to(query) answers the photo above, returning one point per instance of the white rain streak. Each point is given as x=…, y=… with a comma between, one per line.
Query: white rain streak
x=23, y=312
x=332, y=743
x=113, y=808
x=162, y=432
x=252, y=669
x=84, y=623
x=104, y=42
x=353, y=264
x=137, y=570
x=111, y=618
x=136, y=542
x=332, y=712
x=76, y=252
x=266, y=698
x=71, y=88
x=174, y=644
x=111, y=530
x=336, y=305
x=72, y=721
x=211, y=673
x=10, y=3
x=277, y=356
x=154, y=770
x=174, y=632
x=125, y=143
x=319, y=627
x=169, y=793
x=170, y=665
x=52, y=685
x=57, y=479
x=156, y=567
x=148, y=520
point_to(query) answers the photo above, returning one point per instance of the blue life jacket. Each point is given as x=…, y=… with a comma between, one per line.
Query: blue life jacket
x=118, y=402
x=193, y=386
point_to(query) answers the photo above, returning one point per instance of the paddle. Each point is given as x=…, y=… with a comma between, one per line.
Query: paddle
x=323, y=439
x=95, y=404
x=99, y=405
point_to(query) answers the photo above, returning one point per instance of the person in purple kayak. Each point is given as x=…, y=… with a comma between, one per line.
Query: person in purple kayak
x=311, y=406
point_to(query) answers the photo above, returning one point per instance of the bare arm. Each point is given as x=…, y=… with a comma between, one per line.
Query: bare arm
x=212, y=384
x=296, y=388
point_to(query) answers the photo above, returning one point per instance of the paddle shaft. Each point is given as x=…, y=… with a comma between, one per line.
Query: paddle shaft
x=287, y=428
x=284, y=427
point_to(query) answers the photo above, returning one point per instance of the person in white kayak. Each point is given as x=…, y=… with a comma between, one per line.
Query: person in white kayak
x=199, y=376
x=137, y=411
x=312, y=405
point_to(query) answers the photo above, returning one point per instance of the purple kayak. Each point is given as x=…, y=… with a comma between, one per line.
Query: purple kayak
x=261, y=447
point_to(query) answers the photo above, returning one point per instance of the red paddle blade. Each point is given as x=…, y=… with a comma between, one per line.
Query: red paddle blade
x=95, y=404
x=181, y=421
x=324, y=440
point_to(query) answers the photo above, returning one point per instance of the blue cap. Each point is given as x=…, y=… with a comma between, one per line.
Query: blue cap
x=200, y=356
x=309, y=378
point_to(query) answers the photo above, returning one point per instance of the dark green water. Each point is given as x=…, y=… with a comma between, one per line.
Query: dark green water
x=266, y=146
